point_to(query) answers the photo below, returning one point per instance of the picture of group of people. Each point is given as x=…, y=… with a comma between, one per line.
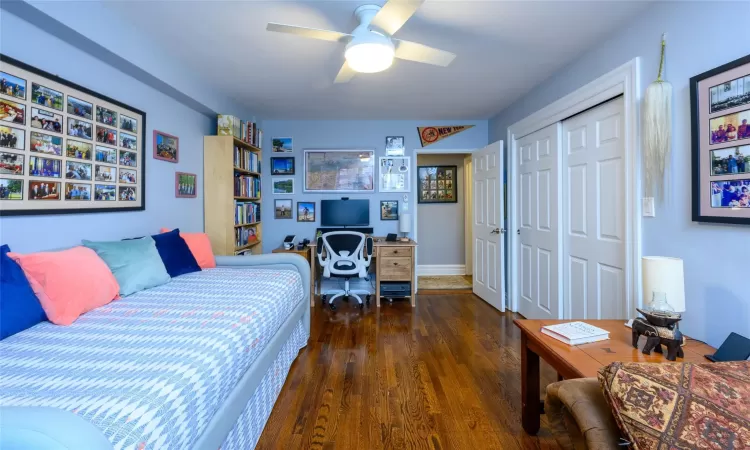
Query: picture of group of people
x=105, y=192
x=78, y=150
x=106, y=155
x=44, y=143
x=185, y=184
x=46, y=120
x=79, y=108
x=12, y=138
x=12, y=112
x=106, y=135
x=79, y=128
x=128, y=123
x=44, y=190
x=12, y=86
x=730, y=194
x=730, y=95
x=46, y=97
x=77, y=191
x=127, y=194
x=106, y=116
x=127, y=141
x=44, y=167
x=166, y=147
x=11, y=189
x=732, y=127
x=731, y=160
x=437, y=184
x=11, y=163
x=127, y=176
x=104, y=173
x=77, y=171
x=128, y=158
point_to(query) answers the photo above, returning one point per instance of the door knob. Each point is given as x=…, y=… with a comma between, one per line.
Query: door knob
x=495, y=231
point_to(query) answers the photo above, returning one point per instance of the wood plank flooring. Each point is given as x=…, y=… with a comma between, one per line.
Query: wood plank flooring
x=445, y=375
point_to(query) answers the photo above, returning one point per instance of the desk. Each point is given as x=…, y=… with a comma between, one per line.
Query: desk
x=580, y=361
x=394, y=261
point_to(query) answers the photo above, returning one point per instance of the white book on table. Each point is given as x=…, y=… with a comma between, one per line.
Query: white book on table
x=575, y=333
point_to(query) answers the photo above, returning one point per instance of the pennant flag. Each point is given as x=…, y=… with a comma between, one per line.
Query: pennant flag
x=430, y=135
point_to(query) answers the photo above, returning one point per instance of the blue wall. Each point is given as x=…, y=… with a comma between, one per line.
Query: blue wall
x=716, y=275
x=25, y=42
x=342, y=134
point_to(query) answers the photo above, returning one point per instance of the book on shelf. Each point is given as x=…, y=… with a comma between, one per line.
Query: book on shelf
x=246, y=159
x=246, y=131
x=575, y=333
x=244, y=236
x=246, y=212
x=246, y=186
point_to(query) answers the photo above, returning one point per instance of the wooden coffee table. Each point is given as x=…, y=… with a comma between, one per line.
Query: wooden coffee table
x=580, y=361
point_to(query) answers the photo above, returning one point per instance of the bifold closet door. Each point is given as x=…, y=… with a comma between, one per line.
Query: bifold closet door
x=538, y=202
x=594, y=205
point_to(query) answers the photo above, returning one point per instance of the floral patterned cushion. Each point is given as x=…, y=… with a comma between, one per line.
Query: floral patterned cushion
x=680, y=406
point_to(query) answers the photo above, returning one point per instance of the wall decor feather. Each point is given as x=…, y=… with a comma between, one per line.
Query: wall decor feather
x=657, y=132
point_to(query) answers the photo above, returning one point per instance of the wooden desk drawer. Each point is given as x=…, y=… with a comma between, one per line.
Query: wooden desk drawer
x=394, y=268
x=395, y=251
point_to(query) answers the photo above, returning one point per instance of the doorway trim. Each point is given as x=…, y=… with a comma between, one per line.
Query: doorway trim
x=624, y=81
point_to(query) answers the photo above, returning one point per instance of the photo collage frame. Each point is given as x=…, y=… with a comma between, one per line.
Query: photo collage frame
x=64, y=148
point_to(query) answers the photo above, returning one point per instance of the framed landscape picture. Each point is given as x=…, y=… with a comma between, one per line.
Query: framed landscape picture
x=59, y=146
x=720, y=104
x=283, y=185
x=437, y=184
x=282, y=165
x=339, y=171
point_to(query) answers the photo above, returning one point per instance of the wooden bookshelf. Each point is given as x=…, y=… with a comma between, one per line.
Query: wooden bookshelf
x=219, y=196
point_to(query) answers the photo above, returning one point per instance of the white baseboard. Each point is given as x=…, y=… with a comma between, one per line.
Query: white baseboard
x=441, y=269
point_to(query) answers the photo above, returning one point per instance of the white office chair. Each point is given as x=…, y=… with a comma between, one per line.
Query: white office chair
x=345, y=258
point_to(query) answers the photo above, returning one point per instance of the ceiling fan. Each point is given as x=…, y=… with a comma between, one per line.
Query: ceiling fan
x=370, y=48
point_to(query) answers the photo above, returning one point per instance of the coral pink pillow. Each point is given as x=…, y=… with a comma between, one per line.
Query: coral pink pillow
x=68, y=283
x=200, y=246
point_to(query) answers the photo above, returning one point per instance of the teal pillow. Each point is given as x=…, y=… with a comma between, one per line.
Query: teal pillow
x=135, y=263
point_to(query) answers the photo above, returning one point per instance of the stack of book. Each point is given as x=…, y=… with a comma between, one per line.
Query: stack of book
x=575, y=333
x=247, y=186
x=246, y=212
x=228, y=125
x=245, y=159
x=244, y=236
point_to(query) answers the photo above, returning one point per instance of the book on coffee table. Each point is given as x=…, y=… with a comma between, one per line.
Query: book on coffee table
x=575, y=333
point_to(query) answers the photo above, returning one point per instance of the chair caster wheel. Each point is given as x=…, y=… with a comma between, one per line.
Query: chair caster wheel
x=361, y=306
x=332, y=307
x=323, y=299
x=367, y=299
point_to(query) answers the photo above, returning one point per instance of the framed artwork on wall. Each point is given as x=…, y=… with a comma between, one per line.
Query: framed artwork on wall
x=63, y=157
x=394, y=146
x=282, y=165
x=282, y=209
x=305, y=211
x=166, y=147
x=185, y=184
x=720, y=107
x=283, y=185
x=282, y=145
x=389, y=210
x=394, y=175
x=437, y=184
x=339, y=171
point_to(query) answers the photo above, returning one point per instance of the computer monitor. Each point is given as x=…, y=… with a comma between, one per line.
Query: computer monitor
x=344, y=213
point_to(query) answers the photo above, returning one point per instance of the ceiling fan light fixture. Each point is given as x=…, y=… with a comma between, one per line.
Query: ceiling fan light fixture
x=369, y=57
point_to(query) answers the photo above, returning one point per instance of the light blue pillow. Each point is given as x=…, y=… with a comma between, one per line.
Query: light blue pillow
x=135, y=263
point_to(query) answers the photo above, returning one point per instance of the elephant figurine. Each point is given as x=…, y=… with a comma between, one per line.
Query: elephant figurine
x=655, y=336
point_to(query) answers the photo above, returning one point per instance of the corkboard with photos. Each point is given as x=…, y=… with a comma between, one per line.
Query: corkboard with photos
x=65, y=149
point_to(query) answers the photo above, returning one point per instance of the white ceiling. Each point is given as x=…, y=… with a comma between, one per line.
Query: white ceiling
x=504, y=49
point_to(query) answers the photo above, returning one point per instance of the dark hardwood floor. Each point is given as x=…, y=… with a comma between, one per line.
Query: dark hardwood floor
x=445, y=375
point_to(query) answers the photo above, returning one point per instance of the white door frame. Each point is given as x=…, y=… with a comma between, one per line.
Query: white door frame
x=625, y=81
x=415, y=189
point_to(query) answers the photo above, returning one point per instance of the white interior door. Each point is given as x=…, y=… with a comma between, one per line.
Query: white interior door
x=539, y=197
x=595, y=213
x=489, y=251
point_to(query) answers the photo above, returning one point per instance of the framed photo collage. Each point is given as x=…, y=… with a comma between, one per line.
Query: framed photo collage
x=65, y=149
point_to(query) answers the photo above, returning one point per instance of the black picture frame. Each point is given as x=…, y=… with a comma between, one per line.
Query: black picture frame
x=31, y=212
x=282, y=159
x=431, y=193
x=383, y=204
x=698, y=215
x=310, y=206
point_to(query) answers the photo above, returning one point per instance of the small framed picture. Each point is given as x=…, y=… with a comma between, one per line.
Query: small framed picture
x=126, y=194
x=282, y=145
x=45, y=143
x=305, y=211
x=104, y=173
x=185, y=185
x=77, y=191
x=389, y=210
x=79, y=128
x=166, y=147
x=11, y=163
x=129, y=159
x=77, y=171
x=44, y=190
x=282, y=209
x=12, y=86
x=45, y=96
x=106, y=135
x=12, y=138
x=105, y=154
x=11, y=189
x=80, y=108
x=437, y=184
x=127, y=141
x=394, y=146
x=12, y=112
x=283, y=186
x=106, y=116
x=45, y=120
x=128, y=123
x=105, y=192
x=282, y=166
x=127, y=176
x=78, y=149
x=45, y=167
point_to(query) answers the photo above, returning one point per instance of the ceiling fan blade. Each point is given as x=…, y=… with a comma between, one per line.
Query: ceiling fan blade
x=413, y=51
x=345, y=74
x=394, y=14
x=312, y=33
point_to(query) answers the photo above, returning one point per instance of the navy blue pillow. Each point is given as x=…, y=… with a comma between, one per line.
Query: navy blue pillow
x=175, y=253
x=19, y=307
